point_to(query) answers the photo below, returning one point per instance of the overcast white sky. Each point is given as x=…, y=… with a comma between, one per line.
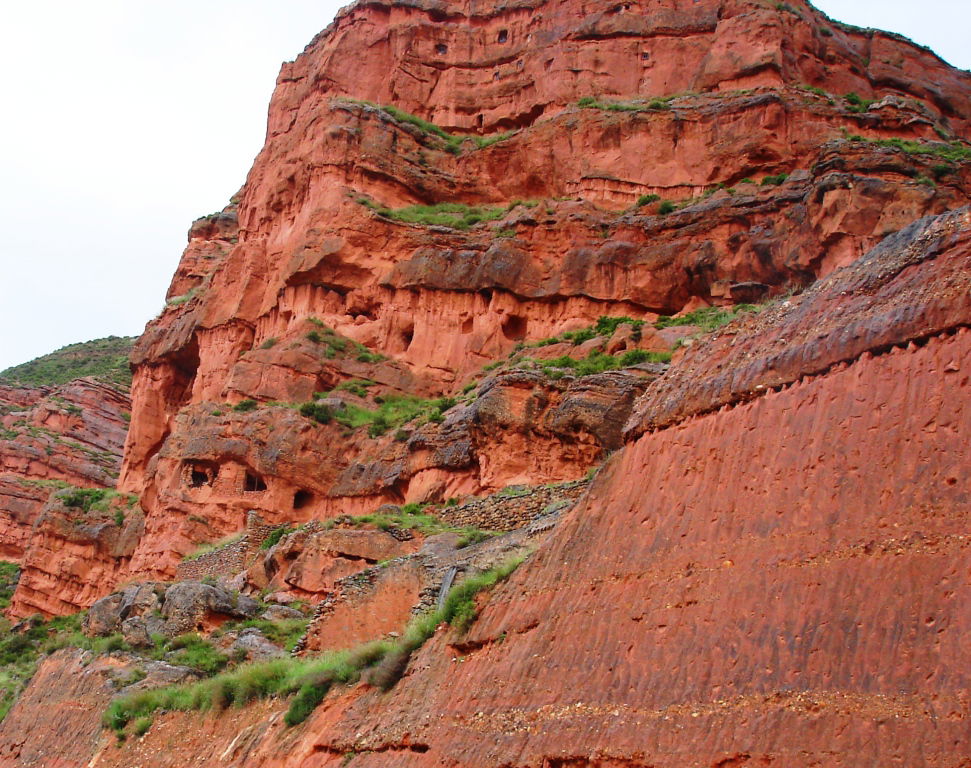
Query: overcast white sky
x=124, y=120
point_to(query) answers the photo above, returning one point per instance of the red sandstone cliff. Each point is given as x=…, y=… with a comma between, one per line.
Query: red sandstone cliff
x=768, y=571
x=439, y=304
x=773, y=582
x=51, y=437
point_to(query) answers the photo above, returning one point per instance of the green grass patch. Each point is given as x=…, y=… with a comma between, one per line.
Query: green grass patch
x=285, y=632
x=481, y=142
x=599, y=362
x=357, y=387
x=309, y=678
x=454, y=215
x=393, y=412
x=855, y=103
x=815, y=90
x=274, y=538
x=197, y=653
x=954, y=152
x=101, y=500
x=605, y=326
x=105, y=359
x=653, y=105
x=706, y=318
x=452, y=143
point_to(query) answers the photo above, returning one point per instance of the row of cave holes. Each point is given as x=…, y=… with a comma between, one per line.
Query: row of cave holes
x=513, y=328
x=252, y=483
x=503, y=37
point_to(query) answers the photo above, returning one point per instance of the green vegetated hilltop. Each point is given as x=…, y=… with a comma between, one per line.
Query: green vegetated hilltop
x=105, y=359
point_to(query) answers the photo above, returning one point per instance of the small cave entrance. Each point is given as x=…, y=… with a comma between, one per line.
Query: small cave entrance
x=199, y=474
x=467, y=326
x=514, y=327
x=302, y=499
x=441, y=49
x=503, y=35
x=253, y=483
x=407, y=336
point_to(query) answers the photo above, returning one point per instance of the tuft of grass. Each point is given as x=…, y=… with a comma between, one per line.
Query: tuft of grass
x=454, y=215
x=245, y=406
x=392, y=412
x=284, y=633
x=142, y=726
x=274, y=538
x=775, y=181
x=646, y=200
x=481, y=142
x=855, y=103
x=357, y=387
x=310, y=679
x=706, y=318
x=473, y=537
x=654, y=105
x=814, y=89
x=605, y=326
x=666, y=207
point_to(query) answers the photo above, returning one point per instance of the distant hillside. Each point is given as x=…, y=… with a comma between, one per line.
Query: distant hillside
x=106, y=359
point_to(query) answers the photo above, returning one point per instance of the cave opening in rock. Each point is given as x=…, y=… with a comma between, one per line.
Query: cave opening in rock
x=302, y=499
x=253, y=483
x=407, y=336
x=197, y=475
x=441, y=49
x=514, y=327
x=503, y=35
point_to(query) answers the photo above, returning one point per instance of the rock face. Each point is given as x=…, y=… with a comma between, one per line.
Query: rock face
x=556, y=105
x=50, y=436
x=75, y=556
x=789, y=596
x=770, y=567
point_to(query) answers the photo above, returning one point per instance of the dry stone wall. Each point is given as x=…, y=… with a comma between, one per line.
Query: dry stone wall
x=230, y=559
x=513, y=508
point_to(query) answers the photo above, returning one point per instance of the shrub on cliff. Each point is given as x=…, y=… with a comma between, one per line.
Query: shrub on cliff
x=775, y=181
x=319, y=412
